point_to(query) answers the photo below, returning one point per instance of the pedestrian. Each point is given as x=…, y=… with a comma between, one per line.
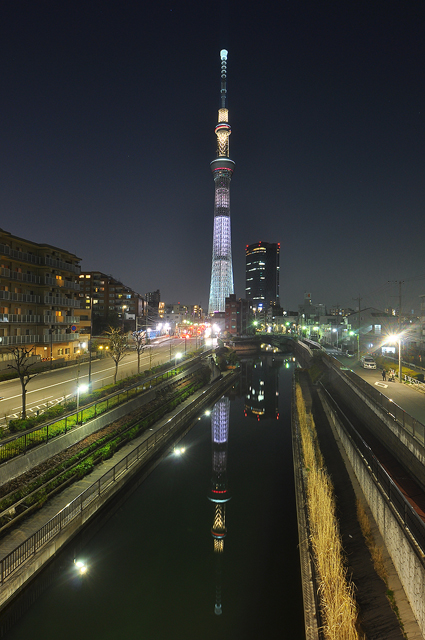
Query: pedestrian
x=384, y=374
x=392, y=375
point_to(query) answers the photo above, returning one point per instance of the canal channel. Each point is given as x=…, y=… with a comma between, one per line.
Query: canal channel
x=206, y=547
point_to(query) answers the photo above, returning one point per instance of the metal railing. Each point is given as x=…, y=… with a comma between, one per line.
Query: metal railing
x=23, y=319
x=414, y=382
x=22, y=442
x=410, y=519
x=410, y=424
x=55, y=525
x=22, y=277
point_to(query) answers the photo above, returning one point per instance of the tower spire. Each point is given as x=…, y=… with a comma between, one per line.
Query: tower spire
x=222, y=167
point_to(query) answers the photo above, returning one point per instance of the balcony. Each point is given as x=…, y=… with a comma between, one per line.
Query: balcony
x=66, y=284
x=7, y=341
x=19, y=297
x=60, y=320
x=21, y=319
x=19, y=255
x=62, y=302
x=59, y=337
x=21, y=277
x=64, y=266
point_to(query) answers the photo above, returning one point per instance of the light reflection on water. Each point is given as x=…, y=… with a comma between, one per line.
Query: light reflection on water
x=179, y=558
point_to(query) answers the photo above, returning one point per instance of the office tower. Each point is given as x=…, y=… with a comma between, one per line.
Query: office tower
x=222, y=169
x=262, y=273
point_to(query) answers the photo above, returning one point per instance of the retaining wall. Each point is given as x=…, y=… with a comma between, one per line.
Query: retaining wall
x=405, y=554
x=15, y=467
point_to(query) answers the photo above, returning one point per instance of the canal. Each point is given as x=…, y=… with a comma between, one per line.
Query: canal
x=205, y=548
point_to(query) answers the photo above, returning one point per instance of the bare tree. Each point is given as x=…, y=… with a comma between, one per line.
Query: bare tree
x=22, y=366
x=117, y=347
x=139, y=338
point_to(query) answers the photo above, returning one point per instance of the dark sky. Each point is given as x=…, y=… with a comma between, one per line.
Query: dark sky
x=107, y=125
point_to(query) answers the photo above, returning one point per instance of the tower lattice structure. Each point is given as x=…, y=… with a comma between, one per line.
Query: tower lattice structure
x=222, y=169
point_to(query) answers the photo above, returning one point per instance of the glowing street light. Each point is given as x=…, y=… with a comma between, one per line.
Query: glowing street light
x=81, y=388
x=177, y=356
x=396, y=338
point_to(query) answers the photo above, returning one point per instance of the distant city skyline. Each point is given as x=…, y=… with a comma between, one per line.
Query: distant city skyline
x=108, y=118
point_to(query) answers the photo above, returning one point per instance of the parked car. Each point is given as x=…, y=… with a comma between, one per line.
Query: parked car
x=368, y=362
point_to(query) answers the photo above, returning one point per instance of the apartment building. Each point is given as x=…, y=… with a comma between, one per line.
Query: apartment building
x=109, y=301
x=39, y=296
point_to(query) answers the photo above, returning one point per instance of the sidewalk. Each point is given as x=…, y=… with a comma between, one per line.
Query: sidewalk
x=406, y=397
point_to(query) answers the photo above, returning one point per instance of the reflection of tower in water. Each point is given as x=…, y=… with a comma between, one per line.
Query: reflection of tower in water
x=219, y=494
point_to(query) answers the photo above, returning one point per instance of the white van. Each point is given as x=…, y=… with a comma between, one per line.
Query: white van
x=368, y=362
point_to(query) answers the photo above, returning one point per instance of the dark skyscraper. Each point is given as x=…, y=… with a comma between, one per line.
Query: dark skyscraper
x=262, y=273
x=222, y=167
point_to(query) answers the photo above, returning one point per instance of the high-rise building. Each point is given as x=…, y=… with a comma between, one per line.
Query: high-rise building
x=262, y=273
x=222, y=168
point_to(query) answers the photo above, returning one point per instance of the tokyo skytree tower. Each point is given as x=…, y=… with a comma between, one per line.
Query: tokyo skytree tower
x=222, y=169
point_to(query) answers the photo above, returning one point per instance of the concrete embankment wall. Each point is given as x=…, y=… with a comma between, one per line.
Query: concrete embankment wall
x=15, y=467
x=405, y=554
x=311, y=612
x=404, y=447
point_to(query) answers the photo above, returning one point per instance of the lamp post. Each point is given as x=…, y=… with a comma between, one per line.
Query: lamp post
x=399, y=357
x=336, y=331
x=81, y=388
x=91, y=337
x=176, y=357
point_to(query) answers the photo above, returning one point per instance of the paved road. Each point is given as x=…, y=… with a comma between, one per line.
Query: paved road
x=51, y=387
x=409, y=399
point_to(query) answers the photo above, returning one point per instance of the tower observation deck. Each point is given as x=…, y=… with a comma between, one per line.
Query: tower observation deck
x=222, y=169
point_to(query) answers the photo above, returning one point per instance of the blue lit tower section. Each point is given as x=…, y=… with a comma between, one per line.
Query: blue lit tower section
x=222, y=169
x=219, y=494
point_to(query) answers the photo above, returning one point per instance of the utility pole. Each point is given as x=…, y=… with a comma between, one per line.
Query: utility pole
x=358, y=327
x=400, y=282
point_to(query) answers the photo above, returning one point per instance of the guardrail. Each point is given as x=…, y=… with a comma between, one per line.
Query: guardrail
x=410, y=424
x=20, y=443
x=74, y=509
x=414, y=382
x=411, y=520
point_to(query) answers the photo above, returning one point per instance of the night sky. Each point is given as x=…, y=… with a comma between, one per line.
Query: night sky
x=107, y=125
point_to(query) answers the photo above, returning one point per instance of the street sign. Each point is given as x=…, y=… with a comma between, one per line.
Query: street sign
x=73, y=328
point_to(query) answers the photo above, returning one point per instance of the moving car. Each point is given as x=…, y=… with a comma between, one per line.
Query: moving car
x=368, y=362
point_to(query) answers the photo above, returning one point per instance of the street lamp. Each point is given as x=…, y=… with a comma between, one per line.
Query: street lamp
x=81, y=388
x=177, y=356
x=353, y=333
x=397, y=339
x=336, y=331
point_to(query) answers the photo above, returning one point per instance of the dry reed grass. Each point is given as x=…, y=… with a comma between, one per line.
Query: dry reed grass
x=336, y=591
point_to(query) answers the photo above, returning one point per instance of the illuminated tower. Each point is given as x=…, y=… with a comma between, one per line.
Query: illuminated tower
x=218, y=493
x=222, y=168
